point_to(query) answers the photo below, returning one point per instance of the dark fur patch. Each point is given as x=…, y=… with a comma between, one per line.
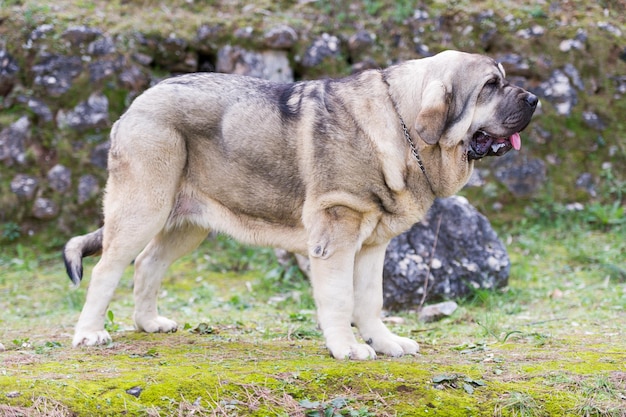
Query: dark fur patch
x=289, y=101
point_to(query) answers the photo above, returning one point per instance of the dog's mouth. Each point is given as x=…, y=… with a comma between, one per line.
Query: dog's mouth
x=483, y=144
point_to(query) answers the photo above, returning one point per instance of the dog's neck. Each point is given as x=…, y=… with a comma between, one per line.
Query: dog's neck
x=407, y=135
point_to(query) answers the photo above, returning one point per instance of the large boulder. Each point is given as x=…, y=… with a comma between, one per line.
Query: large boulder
x=467, y=256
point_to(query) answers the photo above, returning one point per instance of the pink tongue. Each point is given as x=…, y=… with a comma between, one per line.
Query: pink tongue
x=516, y=141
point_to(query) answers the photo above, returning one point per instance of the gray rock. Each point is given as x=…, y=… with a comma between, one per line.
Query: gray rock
x=612, y=29
x=105, y=68
x=585, y=181
x=60, y=178
x=56, y=72
x=100, y=154
x=8, y=72
x=522, y=175
x=79, y=35
x=134, y=79
x=514, y=64
x=360, y=41
x=323, y=47
x=269, y=65
x=559, y=91
x=594, y=121
x=102, y=46
x=468, y=256
x=207, y=38
x=45, y=209
x=170, y=52
x=88, y=188
x=90, y=114
x=38, y=107
x=574, y=76
x=24, y=186
x=40, y=32
x=435, y=312
x=281, y=37
x=13, y=142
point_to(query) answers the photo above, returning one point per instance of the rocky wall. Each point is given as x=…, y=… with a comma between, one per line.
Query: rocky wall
x=63, y=85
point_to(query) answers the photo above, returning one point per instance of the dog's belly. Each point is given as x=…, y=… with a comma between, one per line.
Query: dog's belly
x=210, y=214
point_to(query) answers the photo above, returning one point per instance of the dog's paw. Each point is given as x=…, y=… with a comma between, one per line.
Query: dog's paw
x=91, y=338
x=356, y=351
x=394, y=345
x=156, y=325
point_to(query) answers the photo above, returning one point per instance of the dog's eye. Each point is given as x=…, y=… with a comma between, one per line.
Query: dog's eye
x=492, y=82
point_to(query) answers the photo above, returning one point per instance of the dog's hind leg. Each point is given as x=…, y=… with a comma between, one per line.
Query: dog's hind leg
x=150, y=267
x=144, y=176
x=120, y=246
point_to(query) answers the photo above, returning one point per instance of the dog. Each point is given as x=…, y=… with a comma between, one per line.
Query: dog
x=332, y=169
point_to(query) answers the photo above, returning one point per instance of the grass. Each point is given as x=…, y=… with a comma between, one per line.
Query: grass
x=552, y=343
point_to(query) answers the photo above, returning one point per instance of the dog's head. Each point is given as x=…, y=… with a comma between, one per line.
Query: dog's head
x=467, y=103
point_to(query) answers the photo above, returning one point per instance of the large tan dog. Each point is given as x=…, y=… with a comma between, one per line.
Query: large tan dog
x=332, y=169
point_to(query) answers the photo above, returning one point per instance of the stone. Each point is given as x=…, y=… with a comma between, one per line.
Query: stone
x=559, y=91
x=325, y=46
x=514, y=64
x=169, y=52
x=436, y=312
x=88, y=187
x=134, y=79
x=594, y=121
x=56, y=72
x=102, y=46
x=38, y=107
x=79, y=35
x=522, y=175
x=24, y=186
x=90, y=114
x=8, y=72
x=269, y=65
x=468, y=256
x=60, y=178
x=280, y=37
x=13, y=142
x=45, y=209
x=360, y=41
x=105, y=68
x=585, y=181
x=100, y=154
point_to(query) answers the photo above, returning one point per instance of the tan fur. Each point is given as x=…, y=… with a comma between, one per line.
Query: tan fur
x=321, y=168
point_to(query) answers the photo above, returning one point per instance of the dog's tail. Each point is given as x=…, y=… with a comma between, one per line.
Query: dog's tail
x=76, y=249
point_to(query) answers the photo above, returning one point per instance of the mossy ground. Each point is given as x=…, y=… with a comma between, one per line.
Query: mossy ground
x=552, y=343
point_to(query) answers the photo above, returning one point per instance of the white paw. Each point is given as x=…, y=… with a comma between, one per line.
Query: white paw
x=91, y=338
x=156, y=325
x=356, y=351
x=393, y=345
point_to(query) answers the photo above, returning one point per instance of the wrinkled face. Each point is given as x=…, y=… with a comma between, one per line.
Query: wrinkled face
x=502, y=111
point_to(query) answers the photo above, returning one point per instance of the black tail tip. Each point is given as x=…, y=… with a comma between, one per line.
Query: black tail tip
x=74, y=272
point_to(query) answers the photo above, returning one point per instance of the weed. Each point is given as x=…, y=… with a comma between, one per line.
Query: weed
x=22, y=343
x=334, y=408
x=518, y=404
x=11, y=231
x=110, y=325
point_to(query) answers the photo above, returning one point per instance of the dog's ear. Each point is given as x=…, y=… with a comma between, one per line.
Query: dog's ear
x=433, y=113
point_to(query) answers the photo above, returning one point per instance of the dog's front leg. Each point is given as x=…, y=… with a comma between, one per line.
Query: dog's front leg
x=368, y=299
x=334, y=297
x=332, y=248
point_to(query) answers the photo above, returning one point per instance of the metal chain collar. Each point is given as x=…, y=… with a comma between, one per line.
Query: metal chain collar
x=407, y=136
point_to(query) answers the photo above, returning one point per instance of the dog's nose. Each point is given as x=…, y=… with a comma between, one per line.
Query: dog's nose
x=531, y=99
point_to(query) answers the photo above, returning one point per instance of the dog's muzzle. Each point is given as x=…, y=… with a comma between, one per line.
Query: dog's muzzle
x=483, y=144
